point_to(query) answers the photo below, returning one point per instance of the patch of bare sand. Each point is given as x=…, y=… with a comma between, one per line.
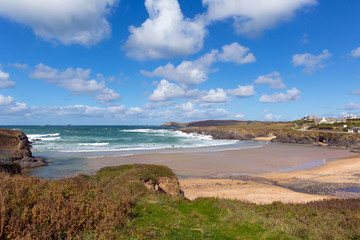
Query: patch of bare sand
x=259, y=193
x=345, y=171
x=265, y=139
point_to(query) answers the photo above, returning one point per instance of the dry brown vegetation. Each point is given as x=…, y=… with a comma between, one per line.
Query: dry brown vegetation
x=41, y=209
x=115, y=204
x=83, y=207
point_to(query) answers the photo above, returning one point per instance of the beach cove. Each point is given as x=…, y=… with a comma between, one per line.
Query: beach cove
x=257, y=171
x=275, y=172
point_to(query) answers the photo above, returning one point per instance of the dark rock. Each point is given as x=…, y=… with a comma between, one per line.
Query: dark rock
x=18, y=144
x=31, y=162
x=170, y=186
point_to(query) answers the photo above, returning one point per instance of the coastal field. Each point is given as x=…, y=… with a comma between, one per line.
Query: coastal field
x=144, y=202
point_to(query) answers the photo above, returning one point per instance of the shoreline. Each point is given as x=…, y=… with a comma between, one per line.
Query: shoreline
x=290, y=173
x=332, y=180
x=270, y=158
x=214, y=174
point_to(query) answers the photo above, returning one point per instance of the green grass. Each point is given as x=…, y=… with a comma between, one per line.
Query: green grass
x=200, y=219
x=114, y=204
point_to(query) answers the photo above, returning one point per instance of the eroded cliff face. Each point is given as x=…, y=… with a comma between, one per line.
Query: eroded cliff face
x=329, y=139
x=281, y=135
x=232, y=133
x=18, y=144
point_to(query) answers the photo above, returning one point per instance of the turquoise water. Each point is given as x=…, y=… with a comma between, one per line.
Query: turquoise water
x=68, y=147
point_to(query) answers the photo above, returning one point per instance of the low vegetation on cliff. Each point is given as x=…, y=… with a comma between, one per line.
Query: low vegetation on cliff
x=145, y=202
x=284, y=132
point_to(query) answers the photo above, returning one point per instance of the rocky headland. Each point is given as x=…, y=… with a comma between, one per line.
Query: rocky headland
x=207, y=123
x=282, y=132
x=15, y=148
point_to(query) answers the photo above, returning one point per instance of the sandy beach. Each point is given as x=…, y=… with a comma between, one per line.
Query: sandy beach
x=323, y=182
x=271, y=158
x=275, y=172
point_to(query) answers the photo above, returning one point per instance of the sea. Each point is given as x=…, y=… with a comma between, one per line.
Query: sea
x=67, y=148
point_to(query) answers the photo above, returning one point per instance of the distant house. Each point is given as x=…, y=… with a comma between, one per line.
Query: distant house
x=351, y=116
x=309, y=118
x=356, y=129
x=329, y=120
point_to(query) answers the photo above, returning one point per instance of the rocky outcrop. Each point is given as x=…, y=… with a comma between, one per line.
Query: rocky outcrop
x=170, y=186
x=329, y=139
x=208, y=123
x=282, y=135
x=237, y=132
x=18, y=146
x=173, y=124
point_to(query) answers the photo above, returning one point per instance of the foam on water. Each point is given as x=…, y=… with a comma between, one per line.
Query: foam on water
x=46, y=137
x=115, y=139
x=89, y=141
x=93, y=144
x=68, y=148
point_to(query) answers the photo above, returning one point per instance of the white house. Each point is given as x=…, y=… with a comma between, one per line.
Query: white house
x=350, y=116
x=329, y=120
x=309, y=117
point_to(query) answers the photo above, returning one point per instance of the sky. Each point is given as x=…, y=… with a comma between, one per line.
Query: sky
x=136, y=62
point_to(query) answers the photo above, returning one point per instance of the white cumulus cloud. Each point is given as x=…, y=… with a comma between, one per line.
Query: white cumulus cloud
x=290, y=96
x=187, y=73
x=240, y=116
x=242, y=91
x=212, y=98
x=351, y=106
x=190, y=73
x=186, y=112
x=67, y=21
x=77, y=81
x=5, y=81
x=270, y=116
x=21, y=66
x=9, y=107
x=273, y=79
x=166, y=91
x=356, y=52
x=165, y=34
x=6, y=100
x=237, y=54
x=252, y=17
x=311, y=62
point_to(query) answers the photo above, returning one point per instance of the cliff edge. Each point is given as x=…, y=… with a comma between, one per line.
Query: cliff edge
x=279, y=132
x=15, y=147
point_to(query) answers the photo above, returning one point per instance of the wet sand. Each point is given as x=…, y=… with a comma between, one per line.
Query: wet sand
x=273, y=157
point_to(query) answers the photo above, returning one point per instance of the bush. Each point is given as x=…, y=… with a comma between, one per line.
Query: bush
x=58, y=209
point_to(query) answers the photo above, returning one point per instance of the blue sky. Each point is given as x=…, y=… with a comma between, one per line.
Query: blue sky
x=153, y=61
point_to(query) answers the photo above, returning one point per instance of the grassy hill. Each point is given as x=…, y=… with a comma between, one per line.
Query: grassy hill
x=136, y=202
